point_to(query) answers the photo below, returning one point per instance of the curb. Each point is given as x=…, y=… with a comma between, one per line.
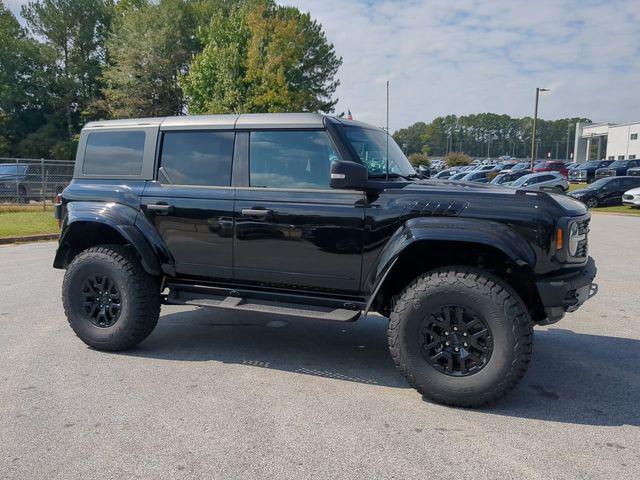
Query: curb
x=29, y=238
x=619, y=214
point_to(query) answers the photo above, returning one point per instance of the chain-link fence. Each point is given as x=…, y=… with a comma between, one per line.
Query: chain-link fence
x=28, y=180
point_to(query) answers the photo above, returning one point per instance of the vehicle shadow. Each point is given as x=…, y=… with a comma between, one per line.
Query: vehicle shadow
x=574, y=378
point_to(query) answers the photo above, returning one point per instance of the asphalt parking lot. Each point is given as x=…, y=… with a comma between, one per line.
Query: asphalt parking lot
x=212, y=395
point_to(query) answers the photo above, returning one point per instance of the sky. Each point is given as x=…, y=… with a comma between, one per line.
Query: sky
x=468, y=56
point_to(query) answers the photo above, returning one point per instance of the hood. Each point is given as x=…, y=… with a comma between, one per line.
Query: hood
x=583, y=192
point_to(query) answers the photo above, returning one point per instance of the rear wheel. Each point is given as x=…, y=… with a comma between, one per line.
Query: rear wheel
x=461, y=336
x=111, y=303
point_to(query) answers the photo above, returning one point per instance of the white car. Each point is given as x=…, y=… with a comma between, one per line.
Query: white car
x=632, y=197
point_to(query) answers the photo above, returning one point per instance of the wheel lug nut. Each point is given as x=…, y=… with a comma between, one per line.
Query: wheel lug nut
x=465, y=344
x=464, y=334
x=446, y=333
x=446, y=343
x=456, y=349
x=455, y=329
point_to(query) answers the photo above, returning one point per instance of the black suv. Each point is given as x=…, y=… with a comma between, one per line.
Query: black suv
x=617, y=169
x=305, y=215
x=586, y=172
x=23, y=182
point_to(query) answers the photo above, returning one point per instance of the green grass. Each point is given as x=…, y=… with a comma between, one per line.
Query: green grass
x=576, y=186
x=15, y=224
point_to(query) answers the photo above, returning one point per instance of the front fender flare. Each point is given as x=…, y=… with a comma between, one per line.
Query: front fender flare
x=484, y=232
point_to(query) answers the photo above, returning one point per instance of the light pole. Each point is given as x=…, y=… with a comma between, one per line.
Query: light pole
x=535, y=120
x=566, y=155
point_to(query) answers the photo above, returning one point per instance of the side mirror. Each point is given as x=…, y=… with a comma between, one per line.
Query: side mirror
x=424, y=171
x=348, y=175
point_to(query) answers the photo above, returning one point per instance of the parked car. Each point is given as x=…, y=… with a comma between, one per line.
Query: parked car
x=306, y=215
x=458, y=176
x=22, y=182
x=552, y=166
x=478, y=176
x=605, y=191
x=632, y=197
x=518, y=167
x=545, y=181
x=572, y=165
x=617, y=169
x=633, y=172
x=446, y=173
x=505, y=179
x=586, y=172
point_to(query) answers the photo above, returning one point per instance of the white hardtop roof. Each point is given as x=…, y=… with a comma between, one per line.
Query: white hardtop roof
x=230, y=121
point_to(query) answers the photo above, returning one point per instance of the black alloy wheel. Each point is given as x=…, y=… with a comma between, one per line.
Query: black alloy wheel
x=101, y=301
x=456, y=340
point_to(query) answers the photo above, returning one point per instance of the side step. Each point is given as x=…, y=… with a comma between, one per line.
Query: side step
x=201, y=299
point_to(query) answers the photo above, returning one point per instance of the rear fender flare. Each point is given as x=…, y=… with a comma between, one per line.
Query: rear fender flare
x=122, y=219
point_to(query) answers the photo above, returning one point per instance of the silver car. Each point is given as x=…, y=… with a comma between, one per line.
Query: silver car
x=546, y=181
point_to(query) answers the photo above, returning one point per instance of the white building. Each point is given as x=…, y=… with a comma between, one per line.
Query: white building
x=622, y=141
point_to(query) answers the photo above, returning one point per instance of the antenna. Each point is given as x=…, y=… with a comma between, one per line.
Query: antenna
x=387, y=176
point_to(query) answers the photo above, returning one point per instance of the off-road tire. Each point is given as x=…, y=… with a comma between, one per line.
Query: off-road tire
x=140, y=297
x=503, y=311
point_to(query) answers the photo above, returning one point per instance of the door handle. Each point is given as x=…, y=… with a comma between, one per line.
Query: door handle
x=256, y=212
x=160, y=208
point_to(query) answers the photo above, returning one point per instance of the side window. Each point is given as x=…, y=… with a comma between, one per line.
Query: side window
x=196, y=158
x=114, y=153
x=290, y=159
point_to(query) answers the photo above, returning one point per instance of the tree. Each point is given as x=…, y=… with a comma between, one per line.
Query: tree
x=410, y=139
x=25, y=93
x=149, y=50
x=457, y=159
x=418, y=159
x=75, y=30
x=262, y=57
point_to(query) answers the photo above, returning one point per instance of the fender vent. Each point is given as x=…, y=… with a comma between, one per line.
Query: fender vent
x=436, y=208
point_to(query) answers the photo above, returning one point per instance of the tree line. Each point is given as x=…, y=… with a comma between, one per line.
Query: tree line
x=80, y=60
x=488, y=134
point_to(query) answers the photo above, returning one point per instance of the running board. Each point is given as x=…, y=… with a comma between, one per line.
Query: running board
x=200, y=299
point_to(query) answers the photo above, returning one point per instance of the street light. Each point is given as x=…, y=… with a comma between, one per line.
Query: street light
x=535, y=120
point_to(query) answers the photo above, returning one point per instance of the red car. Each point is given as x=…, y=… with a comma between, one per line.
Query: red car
x=559, y=167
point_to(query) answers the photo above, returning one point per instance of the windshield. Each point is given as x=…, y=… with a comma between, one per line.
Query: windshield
x=371, y=147
x=519, y=182
x=619, y=164
x=8, y=169
x=598, y=184
x=586, y=165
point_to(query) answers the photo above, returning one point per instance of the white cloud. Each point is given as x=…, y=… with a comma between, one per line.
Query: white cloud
x=472, y=56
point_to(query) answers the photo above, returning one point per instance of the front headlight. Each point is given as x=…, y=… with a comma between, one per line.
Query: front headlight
x=576, y=236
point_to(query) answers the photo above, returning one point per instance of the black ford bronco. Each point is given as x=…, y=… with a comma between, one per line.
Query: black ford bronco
x=305, y=215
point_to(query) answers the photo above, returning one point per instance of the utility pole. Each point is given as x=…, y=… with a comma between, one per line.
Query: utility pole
x=566, y=155
x=535, y=120
x=557, y=147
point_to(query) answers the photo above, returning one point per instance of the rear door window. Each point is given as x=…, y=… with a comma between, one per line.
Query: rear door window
x=114, y=153
x=290, y=159
x=196, y=158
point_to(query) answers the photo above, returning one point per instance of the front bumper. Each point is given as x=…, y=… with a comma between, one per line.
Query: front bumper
x=566, y=293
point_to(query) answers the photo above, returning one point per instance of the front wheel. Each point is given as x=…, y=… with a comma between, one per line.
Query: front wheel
x=110, y=301
x=592, y=203
x=461, y=336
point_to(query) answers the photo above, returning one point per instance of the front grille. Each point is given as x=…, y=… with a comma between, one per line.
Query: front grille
x=607, y=173
x=633, y=173
x=583, y=245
